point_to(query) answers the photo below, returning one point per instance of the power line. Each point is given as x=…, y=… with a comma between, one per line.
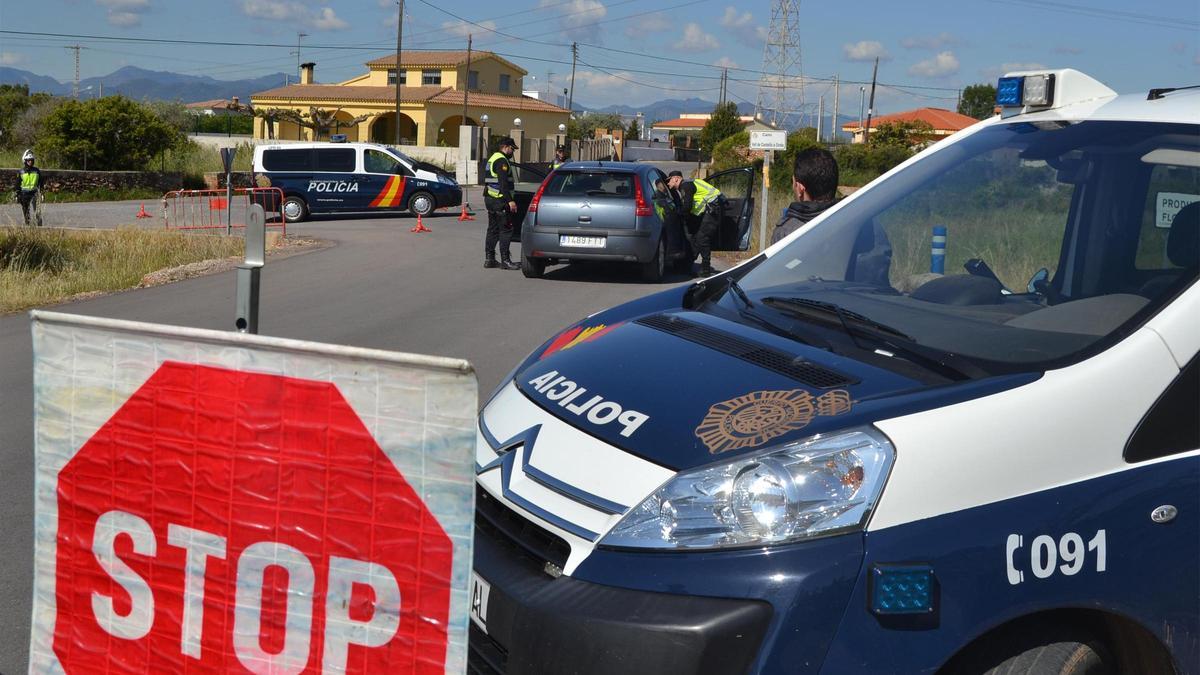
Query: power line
x=1116, y=15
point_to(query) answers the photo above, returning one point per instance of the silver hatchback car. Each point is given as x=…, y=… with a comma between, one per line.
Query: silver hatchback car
x=622, y=211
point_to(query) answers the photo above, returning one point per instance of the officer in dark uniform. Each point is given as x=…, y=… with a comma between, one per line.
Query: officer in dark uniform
x=501, y=205
x=700, y=205
x=29, y=187
x=560, y=157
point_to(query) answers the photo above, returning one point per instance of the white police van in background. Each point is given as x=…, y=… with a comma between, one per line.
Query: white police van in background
x=831, y=460
x=339, y=177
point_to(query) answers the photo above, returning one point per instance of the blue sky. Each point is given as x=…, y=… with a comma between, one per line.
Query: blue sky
x=928, y=48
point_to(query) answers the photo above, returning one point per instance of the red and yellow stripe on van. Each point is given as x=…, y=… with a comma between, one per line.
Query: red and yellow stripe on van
x=391, y=194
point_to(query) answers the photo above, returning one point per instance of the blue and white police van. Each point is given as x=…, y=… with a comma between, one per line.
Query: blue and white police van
x=831, y=459
x=351, y=177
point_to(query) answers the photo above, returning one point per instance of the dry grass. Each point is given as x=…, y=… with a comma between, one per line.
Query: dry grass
x=45, y=266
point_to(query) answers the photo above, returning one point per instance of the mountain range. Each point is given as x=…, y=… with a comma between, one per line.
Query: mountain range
x=139, y=83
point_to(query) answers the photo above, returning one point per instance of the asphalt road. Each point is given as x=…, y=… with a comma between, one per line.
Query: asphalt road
x=381, y=286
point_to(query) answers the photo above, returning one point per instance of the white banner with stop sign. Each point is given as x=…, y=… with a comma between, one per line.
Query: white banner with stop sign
x=222, y=502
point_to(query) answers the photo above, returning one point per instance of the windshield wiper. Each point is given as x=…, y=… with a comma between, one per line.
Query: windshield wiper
x=891, y=341
x=741, y=294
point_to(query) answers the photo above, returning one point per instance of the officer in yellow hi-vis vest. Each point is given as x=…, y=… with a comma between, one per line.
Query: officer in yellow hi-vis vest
x=560, y=157
x=29, y=185
x=700, y=206
x=501, y=205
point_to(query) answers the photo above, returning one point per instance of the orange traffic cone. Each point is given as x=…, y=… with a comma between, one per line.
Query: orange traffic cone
x=142, y=213
x=465, y=215
x=420, y=226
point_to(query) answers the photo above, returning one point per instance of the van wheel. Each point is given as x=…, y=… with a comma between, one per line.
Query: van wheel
x=533, y=268
x=421, y=204
x=652, y=272
x=294, y=209
x=1037, y=649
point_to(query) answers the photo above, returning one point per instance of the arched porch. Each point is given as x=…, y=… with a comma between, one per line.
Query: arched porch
x=383, y=129
x=448, y=130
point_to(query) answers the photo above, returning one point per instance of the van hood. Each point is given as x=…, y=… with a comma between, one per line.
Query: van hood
x=683, y=388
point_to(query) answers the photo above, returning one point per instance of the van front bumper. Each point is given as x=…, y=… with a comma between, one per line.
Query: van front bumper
x=540, y=624
x=751, y=610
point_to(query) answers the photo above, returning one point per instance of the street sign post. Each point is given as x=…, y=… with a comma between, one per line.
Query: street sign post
x=768, y=142
x=227, y=155
x=218, y=502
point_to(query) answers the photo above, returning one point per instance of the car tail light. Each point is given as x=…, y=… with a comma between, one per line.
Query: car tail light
x=643, y=207
x=537, y=197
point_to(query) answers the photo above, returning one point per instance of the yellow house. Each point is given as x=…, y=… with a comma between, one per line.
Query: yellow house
x=432, y=87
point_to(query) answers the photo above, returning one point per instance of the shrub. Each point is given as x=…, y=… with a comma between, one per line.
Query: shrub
x=110, y=133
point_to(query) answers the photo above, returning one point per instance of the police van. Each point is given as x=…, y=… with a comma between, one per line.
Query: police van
x=351, y=177
x=833, y=458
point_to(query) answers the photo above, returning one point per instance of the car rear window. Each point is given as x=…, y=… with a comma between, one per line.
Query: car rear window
x=288, y=160
x=591, y=184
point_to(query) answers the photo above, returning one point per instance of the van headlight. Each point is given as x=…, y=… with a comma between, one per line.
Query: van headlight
x=821, y=486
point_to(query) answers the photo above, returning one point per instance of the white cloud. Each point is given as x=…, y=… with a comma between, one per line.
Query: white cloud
x=726, y=62
x=292, y=11
x=11, y=58
x=942, y=65
x=866, y=50
x=696, y=40
x=996, y=71
x=576, y=16
x=125, y=13
x=939, y=41
x=461, y=28
x=651, y=23
x=743, y=29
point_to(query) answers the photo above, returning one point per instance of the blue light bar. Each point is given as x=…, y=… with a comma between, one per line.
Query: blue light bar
x=1009, y=90
x=902, y=589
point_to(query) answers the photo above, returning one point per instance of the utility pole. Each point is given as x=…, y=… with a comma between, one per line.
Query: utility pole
x=958, y=106
x=467, y=88
x=574, y=58
x=837, y=97
x=75, y=84
x=871, y=106
x=820, y=116
x=399, y=36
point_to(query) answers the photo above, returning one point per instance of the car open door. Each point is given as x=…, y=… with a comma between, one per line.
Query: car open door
x=526, y=181
x=737, y=185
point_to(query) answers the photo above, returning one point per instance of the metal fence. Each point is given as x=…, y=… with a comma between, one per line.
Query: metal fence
x=215, y=209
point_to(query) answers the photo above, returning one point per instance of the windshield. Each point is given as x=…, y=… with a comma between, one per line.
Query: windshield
x=1058, y=239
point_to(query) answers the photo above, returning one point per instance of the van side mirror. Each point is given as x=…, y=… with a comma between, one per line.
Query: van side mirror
x=1038, y=280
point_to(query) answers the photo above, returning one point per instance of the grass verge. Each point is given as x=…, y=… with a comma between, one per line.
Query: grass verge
x=44, y=266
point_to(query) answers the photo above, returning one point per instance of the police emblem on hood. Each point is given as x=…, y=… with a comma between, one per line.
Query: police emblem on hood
x=758, y=417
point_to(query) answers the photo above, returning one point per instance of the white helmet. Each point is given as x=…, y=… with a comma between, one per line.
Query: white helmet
x=28, y=156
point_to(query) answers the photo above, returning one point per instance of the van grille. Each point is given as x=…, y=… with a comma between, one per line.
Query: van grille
x=505, y=525
x=760, y=355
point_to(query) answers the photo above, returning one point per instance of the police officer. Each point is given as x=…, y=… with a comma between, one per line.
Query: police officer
x=29, y=185
x=700, y=205
x=498, y=197
x=560, y=157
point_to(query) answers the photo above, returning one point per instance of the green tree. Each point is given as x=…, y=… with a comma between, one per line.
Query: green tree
x=584, y=127
x=15, y=100
x=724, y=123
x=902, y=134
x=634, y=131
x=978, y=101
x=109, y=133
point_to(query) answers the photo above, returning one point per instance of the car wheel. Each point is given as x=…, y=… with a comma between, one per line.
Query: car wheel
x=1038, y=649
x=421, y=204
x=652, y=271
x=295, y=209
x=533, y=268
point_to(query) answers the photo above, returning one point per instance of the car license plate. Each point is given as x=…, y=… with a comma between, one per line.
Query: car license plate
x=480, y=590
x=580, y=242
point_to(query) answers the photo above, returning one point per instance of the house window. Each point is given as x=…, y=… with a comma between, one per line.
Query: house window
x=392, y=77
x=504, y=82
x=431, y=77
x=473, y=79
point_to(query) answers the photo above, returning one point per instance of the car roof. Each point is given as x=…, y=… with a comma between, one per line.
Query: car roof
x=1177, y=106
x=615, y=167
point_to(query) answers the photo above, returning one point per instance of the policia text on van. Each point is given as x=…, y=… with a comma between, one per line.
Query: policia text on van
x=351, y=177
x=879, y=469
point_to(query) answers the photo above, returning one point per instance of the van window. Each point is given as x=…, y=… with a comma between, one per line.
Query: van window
x=380, y=162
x=1170, y=428
x=288, y=160
x=1171, y=188
x=339, y=160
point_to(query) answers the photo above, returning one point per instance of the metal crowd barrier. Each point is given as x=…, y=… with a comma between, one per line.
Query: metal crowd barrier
x=213, y=209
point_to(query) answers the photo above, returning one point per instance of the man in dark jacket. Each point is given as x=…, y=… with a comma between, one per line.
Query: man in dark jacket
x=814, y=183
x=501, y=205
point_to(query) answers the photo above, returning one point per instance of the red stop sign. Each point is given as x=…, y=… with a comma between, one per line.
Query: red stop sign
x=234, y=521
